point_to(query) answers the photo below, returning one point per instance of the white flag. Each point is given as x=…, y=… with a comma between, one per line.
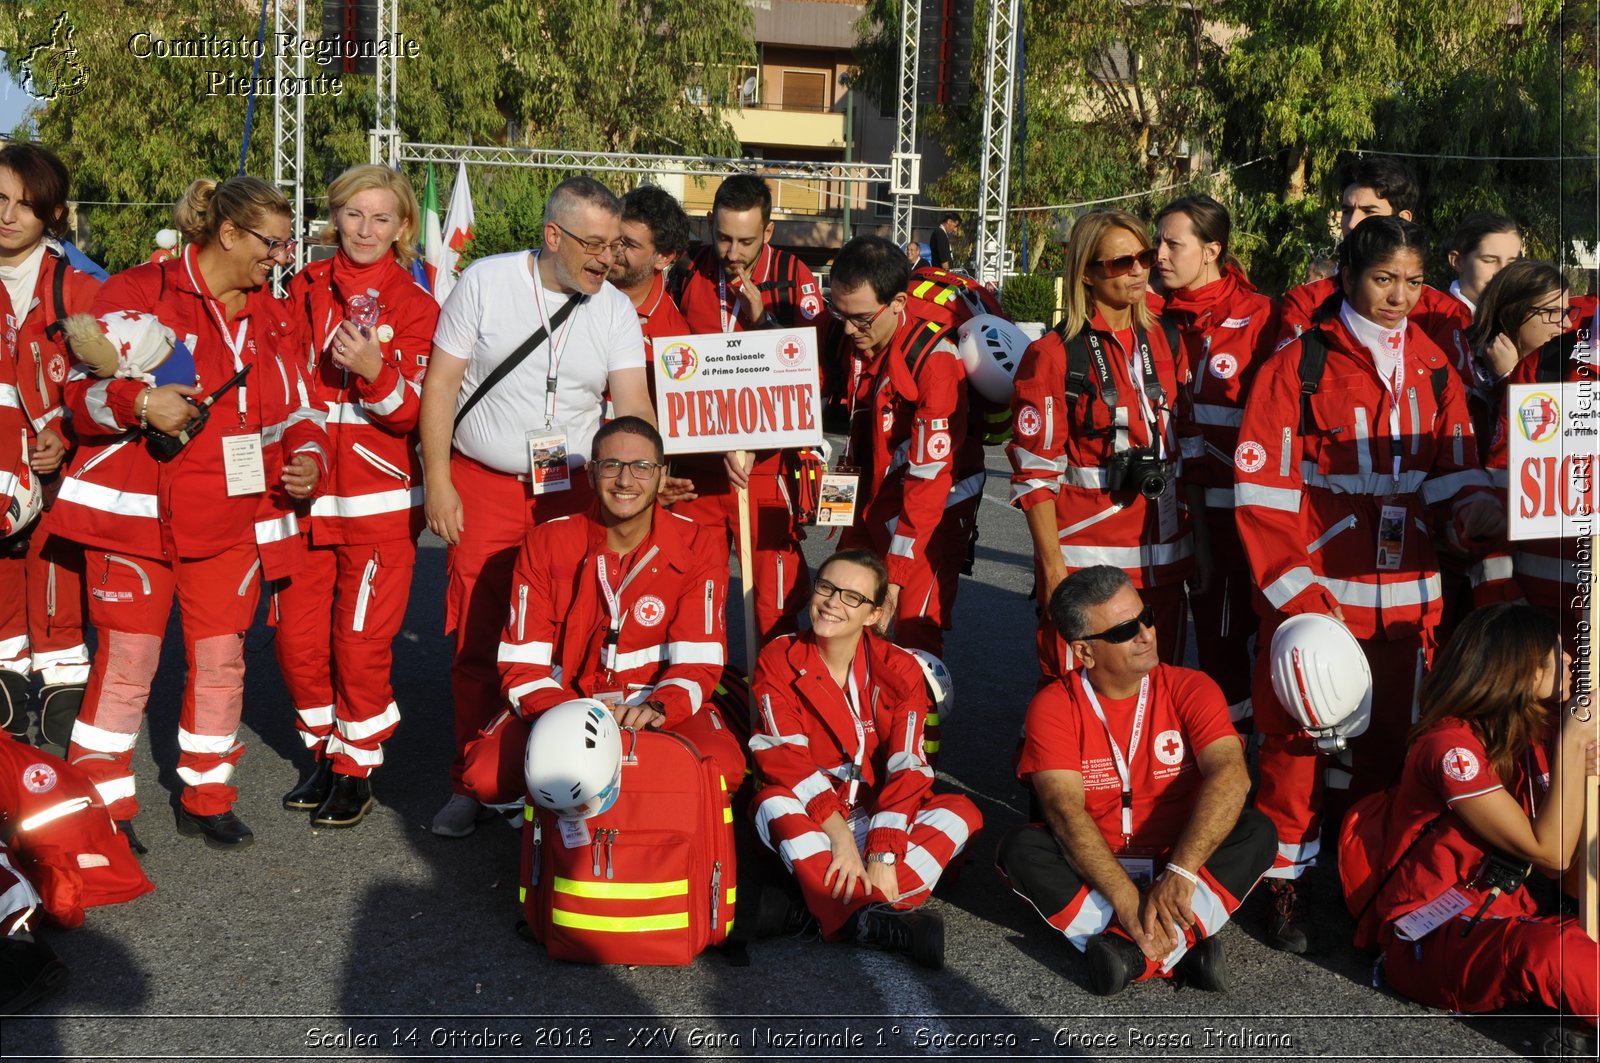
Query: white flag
x=457, y=231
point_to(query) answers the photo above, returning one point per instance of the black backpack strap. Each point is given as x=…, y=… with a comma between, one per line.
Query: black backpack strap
x=1313, y=362
x=515, y=358
x=921, y=345
x=58, y=299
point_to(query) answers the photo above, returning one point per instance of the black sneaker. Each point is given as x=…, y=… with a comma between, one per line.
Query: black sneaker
x=918, y=934
x=780, y=913
x=1287, y=929
x=1205, y=966
x=29, y=972
x=1114, y=961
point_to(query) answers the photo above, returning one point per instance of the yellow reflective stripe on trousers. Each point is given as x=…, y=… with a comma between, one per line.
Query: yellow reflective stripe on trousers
x=619, y=924
x=623, y=891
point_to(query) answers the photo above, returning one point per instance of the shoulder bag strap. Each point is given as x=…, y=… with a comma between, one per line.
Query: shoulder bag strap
x=515, y=358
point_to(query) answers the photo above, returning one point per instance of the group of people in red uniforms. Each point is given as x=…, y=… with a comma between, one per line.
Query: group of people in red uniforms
x=1186, y=450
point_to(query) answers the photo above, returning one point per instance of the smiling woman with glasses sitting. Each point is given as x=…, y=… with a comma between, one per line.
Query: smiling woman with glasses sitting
x=846, y=794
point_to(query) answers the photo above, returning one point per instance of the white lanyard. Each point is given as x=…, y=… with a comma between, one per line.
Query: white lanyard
x=1123, y=773
x=852, y=693
x=557, y=343
x=235, y=342
x=613, y=597
x=726, y=312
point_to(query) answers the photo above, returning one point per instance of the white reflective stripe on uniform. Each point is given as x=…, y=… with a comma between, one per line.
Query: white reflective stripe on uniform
x=13, y=649
x=962, y=490
x=1192, y=447
x=1545, y=567
x=812, y=787
x=1370, y=483
x=217, y=776
x=316, y=716
x=759, y=741
x=351, y=506
x=8, y=483
x=1322, y=540
x=20, y=897
x=56, y=811
x=1281, y=591
x=359, y=730
x=525, y=653
x=1489, y=569
x=348, y=413
x=390, y=402
x=902, y=546
x=690, y=687
x=218, y=745
x=1297, y=856
x=88, y=736
x=1283, y=499
x=674, y=653
x=273, y=433
x=947, y=823
x=1383, y=595
x=1027, y=461
x=10, y=397
x=1027, y=486
x=97, y=401
x=890, y=821
x=367, y=758
x=1222, y=497
x=312, y=448
x=108, y=499
x=522, y=690
x=110, y=790
x=277, y=529
x=1079, y=476
x=1127, y=557
x=308, y=413
x=1228, y=416
x=772, y=808
x=903, y=761
x=926, y=471
x=1439, y=488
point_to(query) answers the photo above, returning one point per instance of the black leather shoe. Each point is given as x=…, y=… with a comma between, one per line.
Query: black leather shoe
x=29, y=971
x=348, y=802
x=1205, y=966
x=780, y=913
x=222, y=831
x=1287, y=929
x=312, y=790
x=918, y=934
x=1114, y=961
x=1564, y=1040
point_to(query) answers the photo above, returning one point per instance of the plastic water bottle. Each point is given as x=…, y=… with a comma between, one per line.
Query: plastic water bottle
x=362, y=310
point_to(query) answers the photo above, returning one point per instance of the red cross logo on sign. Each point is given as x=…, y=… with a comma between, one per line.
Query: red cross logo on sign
x=1461, y=764
x=649, y=610
x=1169, y=748
x=39, y=778
x=790, y=351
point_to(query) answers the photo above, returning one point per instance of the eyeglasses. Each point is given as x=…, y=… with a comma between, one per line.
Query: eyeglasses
x=1123, y=264
x=1550, y=315
x=275, y=247
x=1128, y=629
x=611, y=468
x=854, y=599
x=592, y=248
x=861, y=322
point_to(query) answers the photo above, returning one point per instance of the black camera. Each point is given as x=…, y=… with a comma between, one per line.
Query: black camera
x=1138, y=469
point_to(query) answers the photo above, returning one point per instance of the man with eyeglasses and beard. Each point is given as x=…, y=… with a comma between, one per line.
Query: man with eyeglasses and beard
x=1146, y=847
x=622, y=603
x=528, y=343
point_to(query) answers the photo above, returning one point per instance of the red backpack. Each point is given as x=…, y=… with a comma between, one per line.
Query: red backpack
x=651, y=881
x=1363, y=842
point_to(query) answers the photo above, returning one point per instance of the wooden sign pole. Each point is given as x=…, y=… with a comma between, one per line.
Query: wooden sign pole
x=747, y=568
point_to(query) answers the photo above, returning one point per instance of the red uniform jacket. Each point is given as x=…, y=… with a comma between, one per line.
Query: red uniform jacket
x=1228, y=330
x=909, y=438
x=672, y=640
x=1438, y=314
x=1059, y=452
x=807, y=739
x=1309, y=502
x=373, y=491
x=118, y=496
x=41, y=363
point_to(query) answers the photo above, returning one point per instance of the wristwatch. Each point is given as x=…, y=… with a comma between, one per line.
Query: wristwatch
x=881, y=858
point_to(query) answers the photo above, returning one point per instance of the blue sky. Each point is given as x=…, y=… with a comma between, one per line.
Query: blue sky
x=13, y=101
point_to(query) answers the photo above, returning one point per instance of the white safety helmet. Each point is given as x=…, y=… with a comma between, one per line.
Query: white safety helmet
x=941, y=688
x=1321, y=676
x=573, y=764
x=27, y=499
x=991, y=349
x=166, y=239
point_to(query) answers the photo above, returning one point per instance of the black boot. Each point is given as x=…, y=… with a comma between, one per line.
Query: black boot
x=126, y=827
x=348, y=802
x=222, y=831
x=1569, y=1040
x=780, y=912
x=1205, y=966
x=14, y=704
x=1114, y=961
x=1287, y=930
x=29, y=971
x=918, y=934
x=59, y=704
x=312, y=789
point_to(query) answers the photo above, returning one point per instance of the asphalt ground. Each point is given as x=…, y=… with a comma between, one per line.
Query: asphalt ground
x=386, y=942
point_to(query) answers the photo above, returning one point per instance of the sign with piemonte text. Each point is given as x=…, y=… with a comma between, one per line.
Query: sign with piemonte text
x=738, y=391
x=1553, y=432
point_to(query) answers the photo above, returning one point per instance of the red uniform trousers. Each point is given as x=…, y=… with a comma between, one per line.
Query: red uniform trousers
x=1172, y=631
x=130, y=599
x=498, y=509
x=1501, y=963
x=1032, y=862
x=940, y=830
x=41, y=609
x=782, y=580
x=1292, y=781
x=928, y=597
x=351, y=598
x=1225, y=617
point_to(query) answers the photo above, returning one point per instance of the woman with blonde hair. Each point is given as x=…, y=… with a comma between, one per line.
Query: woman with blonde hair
x=175, y=505
x=1095, y=444
x=370, y=329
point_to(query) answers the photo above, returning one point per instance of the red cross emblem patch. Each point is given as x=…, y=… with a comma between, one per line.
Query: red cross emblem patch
x=1028, y=421
x=39, y=778
x=1250, y=456
x=939, y=446
x=1224, y=365
x=649, y=610
x=1169, y=748
x=1461, y=764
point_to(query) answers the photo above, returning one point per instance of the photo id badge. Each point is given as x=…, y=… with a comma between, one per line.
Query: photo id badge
x=246, y=473
x=836, y=505
x=574, y=833
x=1391, y=537
x=547, y=463
x=1141, y=869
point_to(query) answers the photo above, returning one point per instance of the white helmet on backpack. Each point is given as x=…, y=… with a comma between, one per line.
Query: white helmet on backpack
x=573, y=764
x=991, y=349
x=1321, y=677
x=941, y=687
x=27, y=498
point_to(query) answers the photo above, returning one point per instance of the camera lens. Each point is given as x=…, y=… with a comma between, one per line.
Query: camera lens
x=1153, y=486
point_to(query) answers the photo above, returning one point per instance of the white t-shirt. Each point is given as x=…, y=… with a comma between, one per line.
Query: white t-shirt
x=489, y=314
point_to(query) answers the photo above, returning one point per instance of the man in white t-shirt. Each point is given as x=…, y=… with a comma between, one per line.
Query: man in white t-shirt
x=503, y=451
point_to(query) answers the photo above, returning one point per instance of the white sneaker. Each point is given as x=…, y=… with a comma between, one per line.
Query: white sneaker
x=458, y=818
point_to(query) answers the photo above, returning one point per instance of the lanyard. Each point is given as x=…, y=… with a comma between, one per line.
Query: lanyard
x=1144, y=382
x=235, y=341
x=858, y=681
x=613, y=597
x=1123, y=773
x=1395, y=387
x=557, y=343
x=725, y=310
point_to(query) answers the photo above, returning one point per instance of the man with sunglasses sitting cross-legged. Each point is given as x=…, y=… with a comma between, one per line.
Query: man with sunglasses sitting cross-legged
x=1146, y=848
x=622, y=603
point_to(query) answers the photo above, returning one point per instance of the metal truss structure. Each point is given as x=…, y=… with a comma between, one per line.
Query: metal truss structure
x=641, y=165
x=999, y=117
x=906, y=162
x=289, y=116
x=386, y=125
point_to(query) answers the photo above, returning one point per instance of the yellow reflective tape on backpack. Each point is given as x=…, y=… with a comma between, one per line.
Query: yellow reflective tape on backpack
x=622, y=891
x=727, y=814
x=619, y=924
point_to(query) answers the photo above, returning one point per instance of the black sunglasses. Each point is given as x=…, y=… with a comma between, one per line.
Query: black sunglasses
x=1128, y=629
x=1122, y=265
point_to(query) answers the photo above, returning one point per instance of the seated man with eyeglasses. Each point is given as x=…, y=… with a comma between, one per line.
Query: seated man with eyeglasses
x=623, y=603
x=1146, y=848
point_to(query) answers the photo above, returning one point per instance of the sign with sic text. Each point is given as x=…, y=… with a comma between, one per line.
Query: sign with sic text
x=738, y=391
x=1553, y=432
